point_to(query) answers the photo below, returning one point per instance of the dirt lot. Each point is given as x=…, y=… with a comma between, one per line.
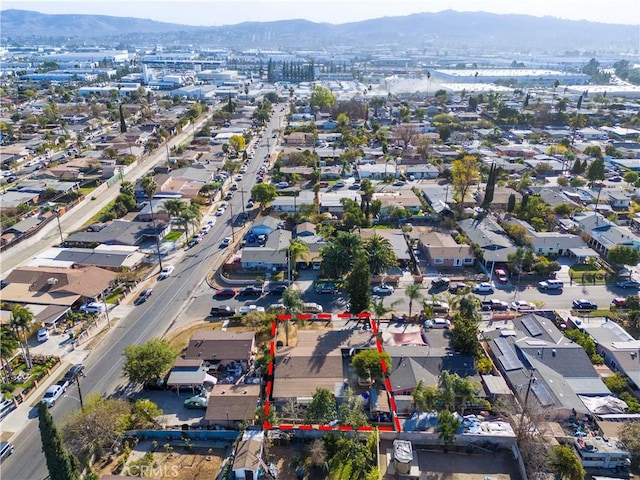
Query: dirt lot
x=287, y=458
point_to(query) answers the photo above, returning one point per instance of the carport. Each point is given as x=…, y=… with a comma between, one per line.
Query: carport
x=193, y=379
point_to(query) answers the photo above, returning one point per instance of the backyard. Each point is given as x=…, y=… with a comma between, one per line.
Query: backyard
x=591, y=274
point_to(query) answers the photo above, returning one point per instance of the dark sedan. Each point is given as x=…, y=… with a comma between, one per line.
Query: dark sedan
x=584, y=304
x=250, y=292
x=223, y=311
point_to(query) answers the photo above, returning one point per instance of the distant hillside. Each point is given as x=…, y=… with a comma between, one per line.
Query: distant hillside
x=444, y=32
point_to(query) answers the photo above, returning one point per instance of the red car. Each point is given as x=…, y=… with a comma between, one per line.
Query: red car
x=501, y=275
x=225, y=293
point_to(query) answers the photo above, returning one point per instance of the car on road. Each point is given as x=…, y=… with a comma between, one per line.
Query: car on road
x=211, y=222
x=495, y=305
x=584, y=304
x=228, y=196
x=323, y=184
x=250, y=291
x=383, y=289
x=354, y=186
x=225, y=293
x=250, y=308
x=238, y=178
x=166, y=272
x=144, y=295
x=629, y=284
x=53, y=394
x=440, y=282
x=483, y=289
x=250, y=204
x=193, y=243
x=220, y=212
x=74, y=372
x=338, y=185
x=456, y=288
x=93, y=307
x=550, y=285
x=221, y=311
x=205, y=229
x=619, y=302
x=521, y=305
x=43, y=334
x=198, y=401
x=281, y=185
x=226, y=241
x=399, y=183
x=6, y=449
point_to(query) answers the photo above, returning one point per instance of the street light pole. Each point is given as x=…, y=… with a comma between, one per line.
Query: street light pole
x=243, y=214
x=57, y=214
x=233, y=230
x=79, y=391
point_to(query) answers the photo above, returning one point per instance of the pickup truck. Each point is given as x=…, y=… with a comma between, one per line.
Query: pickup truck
x=54, y=392
x=495, y=305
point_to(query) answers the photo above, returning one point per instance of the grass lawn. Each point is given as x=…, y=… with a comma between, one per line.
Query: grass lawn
x=585, y=273
x=172, y=236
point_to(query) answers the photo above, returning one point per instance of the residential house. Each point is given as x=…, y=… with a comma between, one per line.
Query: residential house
x=490, y=237
x=550, y=243
x=422, y=171
x=298, y=139
x=330, y=202
x=501, y=197
x=602, y=234
x=292, y=203
x=272, y=256
x=265, y=225
x=618, y=199
x=110, y=257
x=217, y=348
x=159, y=213
x=398, y=199
x=378, y=171
x=56, y=286
x=230, y=406
x=540, y=364
x=306, y=232
x=442, y=251
x=247, y=462
x=556, y=196
x=516, y=151
x=119, y=232
x=331, y=172
x=394, y=236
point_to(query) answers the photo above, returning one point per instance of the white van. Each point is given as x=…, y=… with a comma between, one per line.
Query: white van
x=312, y=308
x=551, y=285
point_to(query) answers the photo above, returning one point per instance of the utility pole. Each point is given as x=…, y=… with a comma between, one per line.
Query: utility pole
x=79, y=391
x=106, y=310
x=233, y=230
x=525, y=405
x=243, y=213
x=57, y=214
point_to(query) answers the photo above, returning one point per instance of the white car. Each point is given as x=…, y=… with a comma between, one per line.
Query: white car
x=243, y=170
x=211, y=222
x=250, y=308
x=92, y=307
x=483, y=289
x=166, y=271
x=43, y=334
x=521, y=305
x=226, y=241
x=205, y=229
x=383, y=290
x=220, y=212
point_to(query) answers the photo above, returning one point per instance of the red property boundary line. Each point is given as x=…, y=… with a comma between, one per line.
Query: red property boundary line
x=340, y=428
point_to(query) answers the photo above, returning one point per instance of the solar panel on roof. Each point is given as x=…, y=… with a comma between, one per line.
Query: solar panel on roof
x=508, y=359
x=542, y=394
x=532, y=327
x=509, y=364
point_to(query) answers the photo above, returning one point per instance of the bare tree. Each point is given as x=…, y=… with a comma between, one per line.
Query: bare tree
x=406, y=134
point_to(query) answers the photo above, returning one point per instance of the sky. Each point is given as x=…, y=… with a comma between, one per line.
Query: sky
x=225, y=12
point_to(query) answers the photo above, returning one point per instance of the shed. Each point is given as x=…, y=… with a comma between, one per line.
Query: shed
x=248, y=460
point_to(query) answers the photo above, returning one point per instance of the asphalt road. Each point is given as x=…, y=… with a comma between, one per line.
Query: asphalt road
x=149, y=320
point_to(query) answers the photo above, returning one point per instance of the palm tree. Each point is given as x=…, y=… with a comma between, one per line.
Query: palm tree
x=380, y=254
x=379, y=309
x=173, y=206
x=297, y=249
x=8, y=345
x=149, y=187
x=413, y=293
x=127, y=188
x=366, y=194
x=190, y=215
x=21, y=320
x=292, y=301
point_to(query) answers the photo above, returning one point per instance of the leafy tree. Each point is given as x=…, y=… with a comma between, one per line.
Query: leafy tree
x=336, y=261
x=123, y=123
x=511, y=203
x=292, y=300
x=358, y=286
x=491, y=187
x=367, y=363
x=321, y=97
x=144, y=413
x=61, y=464
x=21, y=321
x=426, y=397
x=148, y=361
x=379, y=254
x=297, y=248
x=447, y=427
x=629, y=433
x=351, y=411
x=564, y=462
x=617, y=382
x=263, y=193
x=96, y=428
x=631, y=177
x=464, y=173
x=322, y=408
x=412, y=292
x=237, y=142
x=127, y=188
x=623, y=255
x=8, y=344
x=596, y=152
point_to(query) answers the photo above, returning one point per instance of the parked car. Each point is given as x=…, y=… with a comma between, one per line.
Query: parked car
x=338, y=185
x=551, y=285
x=225, y=293
x=250, y=291
x=166, y=271
x=205, y=229
x=250, y=308
x=281, y=185
x=74, y=372
x=495, y=305
x=437, y=323
x=629, y=284
x=501, y=275
x=53, y=394
x=483, y=289
x=226, y=241
x=326, y=287
x=440, y=282
x=584, y=304
x=198, y=401
x=6, y=449
x=520, y=305
x=222, y=311
x=211, y=222
x=619, y=302
x=437, y=306
x=354, y=186
x=220, y=212
x=93, y=307
x=144, y=295
x=43, y=334
x=399, y=183
x=457, y=287
x=383, y=289
x=311, y=307
x=277, y=289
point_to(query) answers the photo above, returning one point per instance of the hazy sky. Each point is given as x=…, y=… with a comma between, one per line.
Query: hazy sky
x=224, y=12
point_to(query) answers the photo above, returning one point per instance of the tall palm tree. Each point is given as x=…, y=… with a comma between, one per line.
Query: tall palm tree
x=8, y=345
x=173, y=206
x=297, y=248
x=149, y=187
x=191, y=215
x=292, y=301
x=413, y=294
x=379, y=309
x=21, y=320
x=380, y=254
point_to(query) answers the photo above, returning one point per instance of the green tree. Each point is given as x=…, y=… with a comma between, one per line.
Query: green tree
x=351, y=411
x=358, y=286
x=123, y=123
x=144, y=414
x=173, y=206
x=237, y=142
x=321, y=97
x=617, y=383
x=148, y=361
x=297, y=249
x=127, y=188
x=322, y=408
x=379, y=254
x=564, y=462
x=511, y=203
x=263, y=193
x=21, y=321
x=491, y=187
x=447, y=427
x=61, y=464
x=367, y=364
x=631, y=177
x=149, y=188
x=464, y=173
x=623, y=255
x=426, y=397
x=412, y=292
x=190, y=215
x=9, y=343
x=629, y=433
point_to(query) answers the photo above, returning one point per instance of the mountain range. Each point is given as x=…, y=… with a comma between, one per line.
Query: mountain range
x=445, y=32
